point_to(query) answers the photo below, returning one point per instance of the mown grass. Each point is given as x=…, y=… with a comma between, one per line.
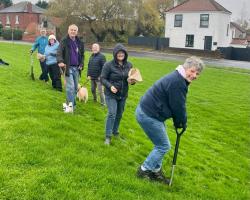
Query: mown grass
x=46, y=154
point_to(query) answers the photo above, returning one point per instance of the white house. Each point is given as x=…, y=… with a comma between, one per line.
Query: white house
x=198, y=24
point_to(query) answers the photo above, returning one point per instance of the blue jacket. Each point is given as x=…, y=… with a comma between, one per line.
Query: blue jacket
x=50, y=53
x=167, y=99
x=40, y=44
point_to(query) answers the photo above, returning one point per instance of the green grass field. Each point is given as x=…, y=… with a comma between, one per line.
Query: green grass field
x=47, y=154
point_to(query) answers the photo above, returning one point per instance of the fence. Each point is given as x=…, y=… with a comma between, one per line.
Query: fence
x=233, y=53
x=152, y=42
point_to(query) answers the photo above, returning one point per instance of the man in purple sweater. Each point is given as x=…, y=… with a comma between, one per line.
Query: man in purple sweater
x=70, y=57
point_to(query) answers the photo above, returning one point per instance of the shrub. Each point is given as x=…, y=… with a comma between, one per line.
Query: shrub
x=17, y=34
x=1, y=29
x=7, y=34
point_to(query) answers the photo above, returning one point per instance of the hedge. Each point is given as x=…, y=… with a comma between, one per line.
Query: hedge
x=7, y=34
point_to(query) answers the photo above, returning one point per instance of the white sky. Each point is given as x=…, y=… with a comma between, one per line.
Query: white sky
x=235, y=6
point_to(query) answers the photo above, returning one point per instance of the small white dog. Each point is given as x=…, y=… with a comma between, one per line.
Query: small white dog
x=82, y=93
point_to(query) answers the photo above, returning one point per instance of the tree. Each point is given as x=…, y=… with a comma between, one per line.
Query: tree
x=149, y=19
x=42, y=4
x=103, y=17
x=6, y=3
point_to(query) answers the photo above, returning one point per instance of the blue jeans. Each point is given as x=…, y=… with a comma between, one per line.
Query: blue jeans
x=156, y=132
x=72, y=84
x=115, y=111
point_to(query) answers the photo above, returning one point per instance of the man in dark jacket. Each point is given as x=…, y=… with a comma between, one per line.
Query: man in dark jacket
x=165, y=99
x=96, y=62
x=70, y=57
x=114, y=78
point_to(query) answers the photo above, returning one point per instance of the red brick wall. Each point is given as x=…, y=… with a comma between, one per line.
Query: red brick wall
x=24, y=19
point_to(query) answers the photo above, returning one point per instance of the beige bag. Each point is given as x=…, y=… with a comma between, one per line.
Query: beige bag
x=134, y=74
x=40, y=57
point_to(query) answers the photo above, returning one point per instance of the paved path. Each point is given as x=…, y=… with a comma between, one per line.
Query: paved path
x=175, y=57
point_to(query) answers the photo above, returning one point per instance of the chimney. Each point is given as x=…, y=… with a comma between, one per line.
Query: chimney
x=175, y=3
x=29, y=7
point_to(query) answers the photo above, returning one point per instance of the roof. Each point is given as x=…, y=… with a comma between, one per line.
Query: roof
x=198, y=5
x=238, y=27
x=239, y=41
x=22, y=7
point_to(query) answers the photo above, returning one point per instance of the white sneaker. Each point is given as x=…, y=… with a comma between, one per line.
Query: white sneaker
x=70, y=107
x=65, y=107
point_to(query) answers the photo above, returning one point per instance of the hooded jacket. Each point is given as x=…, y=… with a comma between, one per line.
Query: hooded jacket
x=116, y=75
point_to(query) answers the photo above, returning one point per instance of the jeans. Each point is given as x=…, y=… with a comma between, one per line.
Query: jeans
x=72, y=84
x=95, y=83
x=44, y=75
x=55, y=75
x=156, y=132
x=115, y=111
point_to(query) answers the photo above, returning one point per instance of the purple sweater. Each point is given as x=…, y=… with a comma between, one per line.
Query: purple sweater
x=73, y=53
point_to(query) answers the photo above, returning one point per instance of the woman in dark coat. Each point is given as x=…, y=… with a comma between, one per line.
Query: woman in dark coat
x=114, y=78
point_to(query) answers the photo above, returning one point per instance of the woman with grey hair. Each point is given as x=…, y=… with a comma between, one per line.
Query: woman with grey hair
x=164, y=100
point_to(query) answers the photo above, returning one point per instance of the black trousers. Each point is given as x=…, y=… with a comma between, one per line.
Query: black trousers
x=44, y=75
x=55, y=76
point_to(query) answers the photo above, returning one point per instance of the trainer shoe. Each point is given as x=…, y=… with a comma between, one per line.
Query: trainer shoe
x=147, y=174
x=160, y=177
x=107, y=141
x=116, y=134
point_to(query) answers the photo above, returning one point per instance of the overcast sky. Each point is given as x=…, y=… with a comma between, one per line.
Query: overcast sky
x=235, y=6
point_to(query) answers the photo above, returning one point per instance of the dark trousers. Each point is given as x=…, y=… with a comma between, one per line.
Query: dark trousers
x=55, y=76
x=44, y=75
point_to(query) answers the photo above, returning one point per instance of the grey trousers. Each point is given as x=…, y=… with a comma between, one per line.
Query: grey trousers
x=95, y=83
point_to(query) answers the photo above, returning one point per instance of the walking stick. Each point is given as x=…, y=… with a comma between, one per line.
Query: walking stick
x=32, y=68
x=178, y=134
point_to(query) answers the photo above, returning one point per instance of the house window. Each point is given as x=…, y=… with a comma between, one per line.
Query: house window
x=17, y=19
x=7, y=20
x=227, y=29
x=189, y=41
x=204, y=20
x=45, y=24
x=178, y=21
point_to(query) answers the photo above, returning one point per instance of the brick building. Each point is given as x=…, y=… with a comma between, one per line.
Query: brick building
x=29, y=18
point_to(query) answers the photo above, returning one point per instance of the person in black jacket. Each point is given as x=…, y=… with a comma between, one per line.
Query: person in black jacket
x=165, y=99
x=114, y=78
x=96, y=62
x=70, y=57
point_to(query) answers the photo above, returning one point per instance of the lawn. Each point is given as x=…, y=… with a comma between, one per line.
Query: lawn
x=47, y=154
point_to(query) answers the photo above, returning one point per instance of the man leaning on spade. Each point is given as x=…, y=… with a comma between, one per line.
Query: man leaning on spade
x=164, y=100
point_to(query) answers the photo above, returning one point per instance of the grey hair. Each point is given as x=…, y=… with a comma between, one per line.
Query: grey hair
x=194, y=62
